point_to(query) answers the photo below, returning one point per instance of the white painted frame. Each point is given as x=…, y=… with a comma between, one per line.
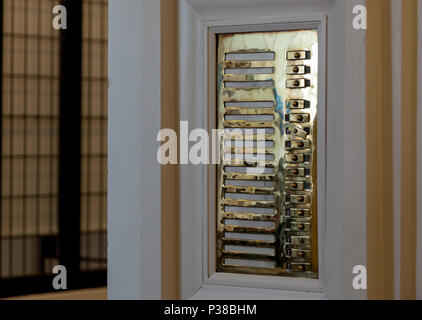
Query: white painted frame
x=199, y=20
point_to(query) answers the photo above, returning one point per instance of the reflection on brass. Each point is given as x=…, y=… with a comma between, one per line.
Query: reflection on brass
x=267, y=200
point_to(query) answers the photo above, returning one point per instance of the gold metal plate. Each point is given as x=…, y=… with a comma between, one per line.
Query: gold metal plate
x=267, y=197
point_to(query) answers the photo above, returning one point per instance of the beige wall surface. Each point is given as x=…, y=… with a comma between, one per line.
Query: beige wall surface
x=87, y=294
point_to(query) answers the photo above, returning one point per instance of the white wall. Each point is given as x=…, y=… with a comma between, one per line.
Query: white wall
x=353, y=224
x=134, y=232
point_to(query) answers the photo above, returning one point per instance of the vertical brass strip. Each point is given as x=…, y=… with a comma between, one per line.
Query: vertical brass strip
x=170, y=227
x=380, y=262
x=408, y=150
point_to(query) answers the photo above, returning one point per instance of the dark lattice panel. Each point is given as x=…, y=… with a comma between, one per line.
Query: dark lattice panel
x=94, y=135
x=30, y=135
x=29, y=153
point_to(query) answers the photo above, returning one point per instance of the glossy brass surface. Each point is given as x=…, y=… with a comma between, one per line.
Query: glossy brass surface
x=267, y=86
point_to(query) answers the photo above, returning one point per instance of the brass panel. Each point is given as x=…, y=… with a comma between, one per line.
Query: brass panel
x=267, y=178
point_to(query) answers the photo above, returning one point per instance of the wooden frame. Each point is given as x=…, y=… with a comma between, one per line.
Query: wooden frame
x=170, y=216
x=379, y=151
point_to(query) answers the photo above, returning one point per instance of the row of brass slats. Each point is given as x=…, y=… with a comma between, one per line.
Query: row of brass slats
x=242, y=208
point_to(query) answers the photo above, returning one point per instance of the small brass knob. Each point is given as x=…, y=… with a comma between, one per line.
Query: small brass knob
x=295, y=158
x=297, y=55
x=301, y=254
x=295, y=103
x=294, y=185
x=301, y=226
x=300, y=144
x=295, y=172
x=301, y=199
x=301, y=268
x=296, y=83
x=295, y=69
x=300, y=213
x=300, y=117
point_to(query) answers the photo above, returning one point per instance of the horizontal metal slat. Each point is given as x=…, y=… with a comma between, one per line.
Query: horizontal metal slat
x=248, y=124
x=249, y=111
x=248, y=216
x=248, y=77
x=249, y=230
x=235, y=189
x=248, y=64
x=248, y=203
x=241, y=255
x=246, y=176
